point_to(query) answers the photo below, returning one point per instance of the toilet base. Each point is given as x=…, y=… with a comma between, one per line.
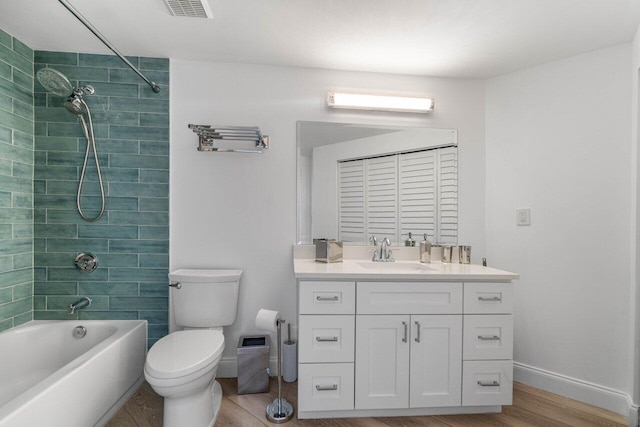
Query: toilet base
x=197, y=410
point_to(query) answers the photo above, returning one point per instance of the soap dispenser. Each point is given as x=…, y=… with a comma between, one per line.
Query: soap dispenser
x=409, y=241
x=425, y=250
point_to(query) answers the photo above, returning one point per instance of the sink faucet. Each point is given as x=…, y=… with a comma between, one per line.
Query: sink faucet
x=79, y=305
x=385, y=254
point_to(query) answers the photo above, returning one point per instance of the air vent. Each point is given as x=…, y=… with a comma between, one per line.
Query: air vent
x=190, y=8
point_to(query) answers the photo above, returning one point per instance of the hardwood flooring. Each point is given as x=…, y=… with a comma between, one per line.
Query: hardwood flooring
x=531, y=407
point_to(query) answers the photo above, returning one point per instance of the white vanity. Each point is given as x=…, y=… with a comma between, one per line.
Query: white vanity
x=403, y=338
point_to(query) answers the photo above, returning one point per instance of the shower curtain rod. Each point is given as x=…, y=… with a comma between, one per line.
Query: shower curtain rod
x=93, y=29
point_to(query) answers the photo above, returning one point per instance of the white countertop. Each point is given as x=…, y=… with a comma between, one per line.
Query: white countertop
x=399, y=270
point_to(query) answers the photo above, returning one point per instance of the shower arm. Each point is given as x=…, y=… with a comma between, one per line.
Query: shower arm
x=93, y=29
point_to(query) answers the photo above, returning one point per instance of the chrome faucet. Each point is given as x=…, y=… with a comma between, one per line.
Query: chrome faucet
x=385, y=254
x=83, y=302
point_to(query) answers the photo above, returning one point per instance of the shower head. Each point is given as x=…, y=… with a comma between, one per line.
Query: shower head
x=54, y=81
x=74, y=106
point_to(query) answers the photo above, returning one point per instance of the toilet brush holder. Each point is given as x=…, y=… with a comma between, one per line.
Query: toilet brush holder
x=289, y=358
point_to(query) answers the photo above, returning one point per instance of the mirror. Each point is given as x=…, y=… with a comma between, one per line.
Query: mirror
x=354, y=181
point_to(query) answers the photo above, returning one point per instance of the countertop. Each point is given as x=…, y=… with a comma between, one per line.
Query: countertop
x=399, y=270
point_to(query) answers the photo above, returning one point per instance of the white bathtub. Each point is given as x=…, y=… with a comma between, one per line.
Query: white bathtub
x=49, y=378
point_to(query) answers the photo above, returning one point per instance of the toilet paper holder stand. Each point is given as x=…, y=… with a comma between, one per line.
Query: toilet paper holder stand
x=279, y=411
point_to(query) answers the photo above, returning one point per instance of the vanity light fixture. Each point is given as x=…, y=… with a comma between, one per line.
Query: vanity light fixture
x=379, y=102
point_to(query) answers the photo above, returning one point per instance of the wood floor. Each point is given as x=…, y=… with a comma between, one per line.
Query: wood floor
x=531, y=407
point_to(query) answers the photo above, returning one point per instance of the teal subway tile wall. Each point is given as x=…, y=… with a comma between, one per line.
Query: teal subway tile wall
x=16, y=182
x=131, y=240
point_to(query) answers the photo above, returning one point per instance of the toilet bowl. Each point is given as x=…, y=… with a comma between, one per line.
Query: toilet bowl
x=181, y=367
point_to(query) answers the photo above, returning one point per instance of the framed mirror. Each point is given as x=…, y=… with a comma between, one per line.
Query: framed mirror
x=355, y=181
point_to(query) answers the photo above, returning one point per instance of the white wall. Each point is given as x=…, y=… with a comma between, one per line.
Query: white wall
x=558, y=141
x=239, y=210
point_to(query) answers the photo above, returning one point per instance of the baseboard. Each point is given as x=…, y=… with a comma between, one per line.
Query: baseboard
x=228, y=367
x=583, y=391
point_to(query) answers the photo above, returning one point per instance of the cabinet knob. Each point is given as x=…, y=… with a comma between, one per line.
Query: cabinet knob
x=417, y=339
x=404, y=339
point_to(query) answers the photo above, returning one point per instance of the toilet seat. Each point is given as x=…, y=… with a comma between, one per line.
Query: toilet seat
x=182, y=353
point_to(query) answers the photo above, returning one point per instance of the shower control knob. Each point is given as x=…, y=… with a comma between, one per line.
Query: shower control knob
x=86, y=262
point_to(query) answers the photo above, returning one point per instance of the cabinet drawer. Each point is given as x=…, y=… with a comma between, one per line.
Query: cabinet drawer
x=409, y=298
x=487, y=383
x=488, y=336
x=325, y=338
x=484, y=298
x=327, y=297
x=325, y=387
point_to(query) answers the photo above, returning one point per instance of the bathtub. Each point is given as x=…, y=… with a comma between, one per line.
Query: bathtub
x=48, y=377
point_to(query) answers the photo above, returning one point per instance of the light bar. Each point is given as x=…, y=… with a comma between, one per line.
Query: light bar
x=379, y=102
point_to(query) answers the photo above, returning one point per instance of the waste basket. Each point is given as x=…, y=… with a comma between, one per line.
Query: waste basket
x=253, y=364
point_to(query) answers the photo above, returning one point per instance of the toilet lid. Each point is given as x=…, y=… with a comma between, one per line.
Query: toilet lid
x=183, y=352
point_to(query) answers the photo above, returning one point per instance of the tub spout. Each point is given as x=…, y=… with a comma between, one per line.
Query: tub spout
x=79, y=305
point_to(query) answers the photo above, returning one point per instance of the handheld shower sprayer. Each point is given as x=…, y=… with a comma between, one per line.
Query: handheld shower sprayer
x=58, y=84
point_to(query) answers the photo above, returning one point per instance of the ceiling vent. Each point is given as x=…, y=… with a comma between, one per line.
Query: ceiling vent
x=190, y=8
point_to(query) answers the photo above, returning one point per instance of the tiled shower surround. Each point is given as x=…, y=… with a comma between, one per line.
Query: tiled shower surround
x=131, y=240
x=16, y=174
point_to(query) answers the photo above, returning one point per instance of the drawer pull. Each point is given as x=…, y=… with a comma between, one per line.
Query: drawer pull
x=333, y=298
x=493, y=383
x=489, y=337
x=490, y=299
x=326, y=387
x=404, y=339
x=417, y=339
x=326, y=339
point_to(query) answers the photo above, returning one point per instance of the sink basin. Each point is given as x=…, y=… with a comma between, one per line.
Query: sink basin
x=394, y=266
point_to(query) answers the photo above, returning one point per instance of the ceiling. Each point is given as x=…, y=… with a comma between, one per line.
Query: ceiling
x=450, y=38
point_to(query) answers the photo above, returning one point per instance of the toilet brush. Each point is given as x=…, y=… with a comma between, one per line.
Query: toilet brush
x=279, y=411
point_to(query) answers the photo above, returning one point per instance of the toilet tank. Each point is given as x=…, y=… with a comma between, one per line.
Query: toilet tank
x=205, y=298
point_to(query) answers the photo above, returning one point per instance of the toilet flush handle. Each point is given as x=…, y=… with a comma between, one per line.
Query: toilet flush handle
x=176, y=285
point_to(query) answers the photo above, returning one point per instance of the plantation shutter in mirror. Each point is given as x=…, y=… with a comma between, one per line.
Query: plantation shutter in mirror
x=382, y=197
x=392, y=196
x=448, y=194
x=418, y=194
x=351, y=201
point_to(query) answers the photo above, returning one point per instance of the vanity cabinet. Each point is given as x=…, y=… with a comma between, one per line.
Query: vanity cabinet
x=393, y=347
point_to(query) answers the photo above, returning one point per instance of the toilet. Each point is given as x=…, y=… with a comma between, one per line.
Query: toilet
x=181, y=367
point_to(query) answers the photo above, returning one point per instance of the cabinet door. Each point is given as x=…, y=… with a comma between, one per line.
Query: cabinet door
x=436, y=360
x=382, y=362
